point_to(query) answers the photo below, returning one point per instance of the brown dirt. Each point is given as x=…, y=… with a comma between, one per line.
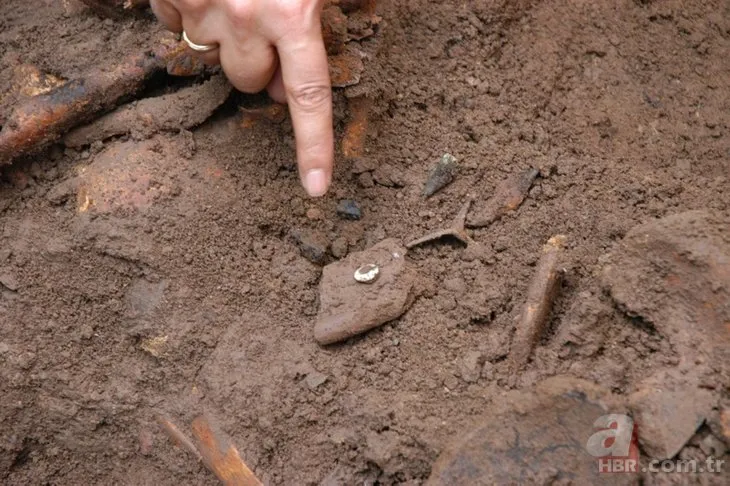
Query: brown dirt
x=186, y=292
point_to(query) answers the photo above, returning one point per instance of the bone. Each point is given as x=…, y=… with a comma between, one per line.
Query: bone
x=540, y=297
x=43, y=119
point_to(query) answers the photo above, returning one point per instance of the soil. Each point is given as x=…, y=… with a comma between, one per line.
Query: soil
x=161, y=276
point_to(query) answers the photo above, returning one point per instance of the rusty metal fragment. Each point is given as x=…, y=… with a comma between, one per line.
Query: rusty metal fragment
x=42, y=119
x=353, y=142
x=507, y=197
x=540, y=296
x=273, y=113
x=456, y=230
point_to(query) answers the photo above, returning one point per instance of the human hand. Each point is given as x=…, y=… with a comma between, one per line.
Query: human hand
x=272, y=44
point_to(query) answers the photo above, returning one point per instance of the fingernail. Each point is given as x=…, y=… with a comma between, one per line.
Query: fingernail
x=315, y=182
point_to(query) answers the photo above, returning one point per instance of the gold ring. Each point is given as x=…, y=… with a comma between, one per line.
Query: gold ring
x=198, y=47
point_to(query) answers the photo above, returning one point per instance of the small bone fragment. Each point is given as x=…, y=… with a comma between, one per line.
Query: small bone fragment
x=353, y=142
x=540, y=296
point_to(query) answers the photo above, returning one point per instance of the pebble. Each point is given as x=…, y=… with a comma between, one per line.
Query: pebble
x=501, y=244
x=365, y=180
x=315, y=214
x=9, y=281
x=315, y=379
x=312, y=245
x=349, y=209
x=451, y=382
x=339, y=247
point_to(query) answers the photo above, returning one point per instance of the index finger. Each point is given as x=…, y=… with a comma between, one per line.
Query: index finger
x=306, y=78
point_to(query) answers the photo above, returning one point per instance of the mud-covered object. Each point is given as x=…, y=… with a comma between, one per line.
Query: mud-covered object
x=348, y=308
x=674, y=273
x=670, y=407
x=531, y=438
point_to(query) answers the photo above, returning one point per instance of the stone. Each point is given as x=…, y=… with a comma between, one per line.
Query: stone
x=442, y=174
x=9, y=281
x=339, y=247
x=365, y=180
x=534, y=437
x=312, y=245
x=348, y=308
x=669, y=408
x=349, y=209
x=674, y=272
x=314, y=214
x=315, y=379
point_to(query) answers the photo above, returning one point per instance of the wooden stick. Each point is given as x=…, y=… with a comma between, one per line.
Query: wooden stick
x=540, y=297
x=221, y=456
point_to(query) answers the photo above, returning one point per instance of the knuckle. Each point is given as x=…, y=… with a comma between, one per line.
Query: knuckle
x=311, y=98
x=241, y=12
x=292, y=9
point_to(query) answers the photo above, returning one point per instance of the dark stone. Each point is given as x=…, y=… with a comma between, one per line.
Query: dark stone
x=312, y=245
x=349, y=209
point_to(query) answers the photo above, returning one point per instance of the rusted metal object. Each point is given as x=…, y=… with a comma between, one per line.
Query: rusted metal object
x=456, y=230
x=42, y=119
x=353, y=142
x=507, y=197
x=540, y=297
x=273, y=113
